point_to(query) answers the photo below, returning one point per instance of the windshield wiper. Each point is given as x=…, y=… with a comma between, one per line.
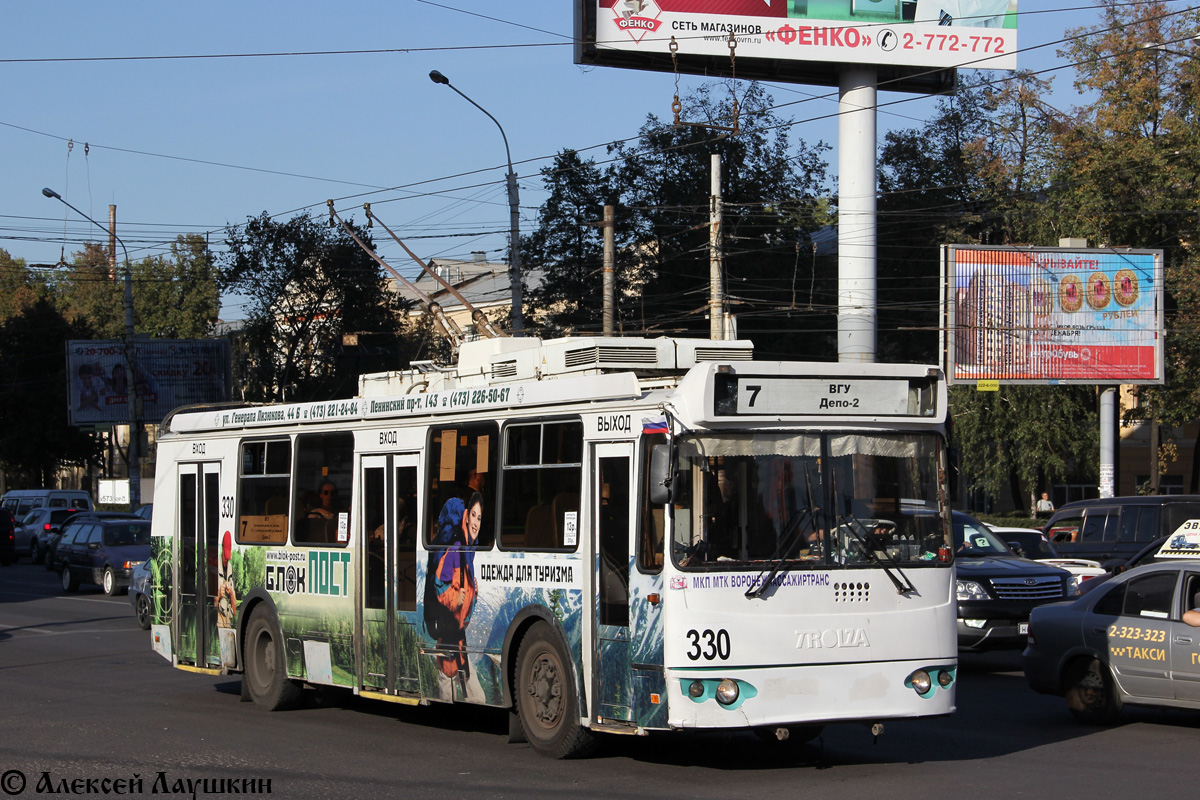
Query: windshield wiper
x=872, y=547
x=781, y=554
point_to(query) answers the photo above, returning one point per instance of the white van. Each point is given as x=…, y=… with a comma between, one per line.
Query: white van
x=21, y=501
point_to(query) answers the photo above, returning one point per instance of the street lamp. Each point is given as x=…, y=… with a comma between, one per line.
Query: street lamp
x=135, y=470
x=514, y=257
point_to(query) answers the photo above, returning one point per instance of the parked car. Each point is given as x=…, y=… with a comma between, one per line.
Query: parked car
x=49, y=538
x=8, y=544
x=145, y=511
x=997, y=589
x=139, y=594
x=36, y=528
x=1111, y=530
x=103, y=551
x=1123, y=643
x=1032, y=543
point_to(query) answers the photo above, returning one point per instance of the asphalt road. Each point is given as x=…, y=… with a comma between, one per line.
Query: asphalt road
x=83, y=698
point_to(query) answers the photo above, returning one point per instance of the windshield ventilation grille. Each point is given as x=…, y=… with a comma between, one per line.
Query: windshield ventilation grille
x=859, y=592
x=1042, y=588
x=611, y=355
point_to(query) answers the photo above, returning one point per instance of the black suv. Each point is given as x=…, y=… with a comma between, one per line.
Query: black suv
x=1112, y=530
x=997, y=589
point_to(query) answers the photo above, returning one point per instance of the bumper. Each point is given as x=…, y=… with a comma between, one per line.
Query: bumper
x=814, y=693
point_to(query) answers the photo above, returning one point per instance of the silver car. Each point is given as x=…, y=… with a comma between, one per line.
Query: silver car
x=1124, y=642
x=139, y=594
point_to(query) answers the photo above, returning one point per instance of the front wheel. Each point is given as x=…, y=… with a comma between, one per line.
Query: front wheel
x=266, y=669
x=142, y=609
x=1091, y=694
x=34, y=555
x=110, y=582
x=545, y=697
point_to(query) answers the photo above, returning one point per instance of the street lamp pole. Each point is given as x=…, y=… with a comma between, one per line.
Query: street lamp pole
x=135, y=470
x=514, y=257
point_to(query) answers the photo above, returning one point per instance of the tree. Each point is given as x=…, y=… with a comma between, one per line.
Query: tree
x=20, y=286
x=177, y=297
x=1130, y=174
x=1024, y=437
x=307, y=284
x=770, y=193
x=33, y=396
x=568, y=248
x=174, y=297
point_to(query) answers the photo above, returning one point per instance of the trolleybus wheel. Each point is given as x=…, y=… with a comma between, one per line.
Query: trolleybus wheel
x=266, y=669
x=1091, y=695
x=545, y=698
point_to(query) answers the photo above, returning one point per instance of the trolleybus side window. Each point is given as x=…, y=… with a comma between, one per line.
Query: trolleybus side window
x=543, y=464
x=265, y=483
x=324, y=470
x=462, y=463
x=653, y=523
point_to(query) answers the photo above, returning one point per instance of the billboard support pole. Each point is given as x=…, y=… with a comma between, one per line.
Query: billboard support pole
x=1108, y=450
x=856, y=214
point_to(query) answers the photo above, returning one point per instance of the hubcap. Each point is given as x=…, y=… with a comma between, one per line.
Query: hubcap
x=545, y=690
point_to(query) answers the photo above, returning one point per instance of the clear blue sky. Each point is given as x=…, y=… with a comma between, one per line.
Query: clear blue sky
x=190, y=145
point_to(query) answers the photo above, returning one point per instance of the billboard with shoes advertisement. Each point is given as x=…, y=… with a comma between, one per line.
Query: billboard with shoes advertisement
x=1052, y=315
x=167, y=373
x=915, y=44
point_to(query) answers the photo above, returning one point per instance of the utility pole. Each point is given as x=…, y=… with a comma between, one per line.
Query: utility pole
x=716, y=305
x=610, y=278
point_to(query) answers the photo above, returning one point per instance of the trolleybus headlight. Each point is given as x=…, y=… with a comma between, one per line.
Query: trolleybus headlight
x=921, y=682
x=696, y=689
x=945, y=678
x=727, y=692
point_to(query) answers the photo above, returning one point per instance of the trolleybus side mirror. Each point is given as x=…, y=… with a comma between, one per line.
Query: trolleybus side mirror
x=660, y=474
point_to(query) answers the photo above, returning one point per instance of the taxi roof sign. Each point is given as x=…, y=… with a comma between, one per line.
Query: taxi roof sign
x=1184, y=542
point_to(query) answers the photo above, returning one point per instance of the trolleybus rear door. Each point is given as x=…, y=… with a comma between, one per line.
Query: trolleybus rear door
x=200, y=564
x=388, y=578
x=611, y=508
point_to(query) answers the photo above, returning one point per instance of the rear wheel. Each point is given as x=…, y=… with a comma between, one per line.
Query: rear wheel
x=142, y=609
x=545, y=697
x=69, y=582
x=266, y=669
x=1091, y=694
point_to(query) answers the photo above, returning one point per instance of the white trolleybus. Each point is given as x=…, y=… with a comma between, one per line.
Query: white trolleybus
x=599, y=535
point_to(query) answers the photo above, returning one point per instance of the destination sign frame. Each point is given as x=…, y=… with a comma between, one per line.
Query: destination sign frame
x=836, y=396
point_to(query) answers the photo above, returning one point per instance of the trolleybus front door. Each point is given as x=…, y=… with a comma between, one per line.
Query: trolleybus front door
x=200, y=564
x=611, y=509
x=388, y=577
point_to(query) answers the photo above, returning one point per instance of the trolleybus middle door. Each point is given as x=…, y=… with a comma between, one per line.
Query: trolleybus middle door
x=611, y=508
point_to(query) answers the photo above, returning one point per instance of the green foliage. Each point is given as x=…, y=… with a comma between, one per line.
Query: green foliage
x=20, y=287
x=661, y=188
x=33, y=397
x=1021, y=438
x=307, y=285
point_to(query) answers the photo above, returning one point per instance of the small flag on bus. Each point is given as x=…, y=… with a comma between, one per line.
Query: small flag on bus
x=654, y=425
